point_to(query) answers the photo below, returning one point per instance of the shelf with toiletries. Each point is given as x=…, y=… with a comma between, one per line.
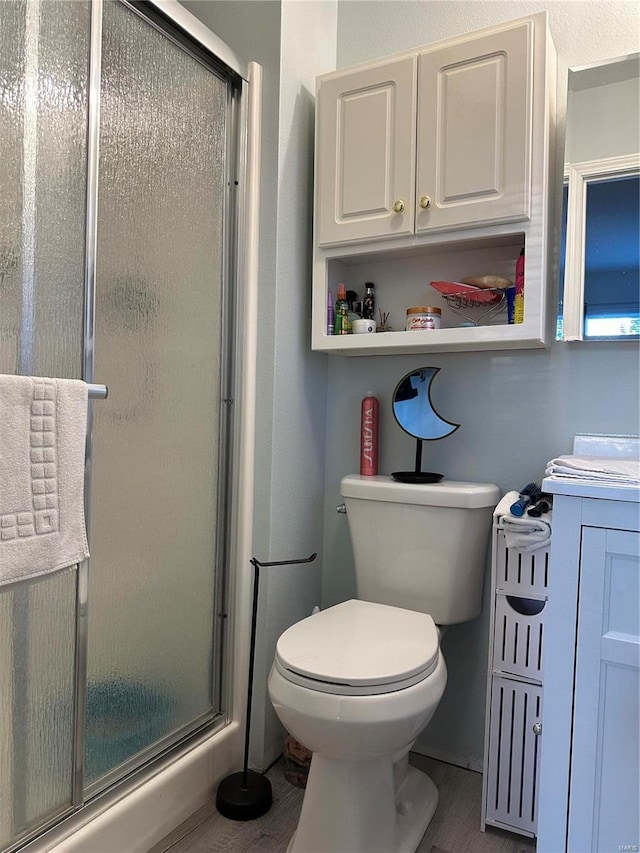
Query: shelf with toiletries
x=427, y=275
x=405, y=196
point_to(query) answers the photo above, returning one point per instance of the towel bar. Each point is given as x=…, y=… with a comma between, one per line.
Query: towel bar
x=98, y=392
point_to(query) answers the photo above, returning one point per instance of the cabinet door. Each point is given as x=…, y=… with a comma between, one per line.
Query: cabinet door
x=365, y=152
x=513, y=754
x=603, y=810
x=474, y=130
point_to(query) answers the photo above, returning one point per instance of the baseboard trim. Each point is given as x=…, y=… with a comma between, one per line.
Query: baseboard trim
x=465, y=761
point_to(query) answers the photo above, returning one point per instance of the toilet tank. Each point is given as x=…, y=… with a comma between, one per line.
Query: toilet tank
x=420, y=546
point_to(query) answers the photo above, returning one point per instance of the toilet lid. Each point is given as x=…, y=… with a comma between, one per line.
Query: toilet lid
x=359, y=647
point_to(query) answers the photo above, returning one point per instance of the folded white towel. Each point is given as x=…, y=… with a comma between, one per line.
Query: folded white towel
x=525, y=533
x=600, y=468
x=43, y=424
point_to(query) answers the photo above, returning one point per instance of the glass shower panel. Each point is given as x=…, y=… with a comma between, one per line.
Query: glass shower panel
x=158, y=348
x=37, y=643
x=44, y=50
x=12, y=61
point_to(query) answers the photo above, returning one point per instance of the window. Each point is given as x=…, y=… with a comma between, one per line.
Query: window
x=599, y=268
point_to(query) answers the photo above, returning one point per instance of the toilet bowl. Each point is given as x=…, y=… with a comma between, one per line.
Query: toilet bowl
x=356, y=684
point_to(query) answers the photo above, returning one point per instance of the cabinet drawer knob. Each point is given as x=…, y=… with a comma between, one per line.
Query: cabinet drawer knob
x=398, y=206
x=425, y=202
x=537, y=728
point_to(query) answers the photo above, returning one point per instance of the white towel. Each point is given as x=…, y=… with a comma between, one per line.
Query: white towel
x=524, y=533
x=43, y=424
x=504, y=507
x=602, y=469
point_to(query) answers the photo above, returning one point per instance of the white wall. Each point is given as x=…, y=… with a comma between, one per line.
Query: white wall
x=516, y=409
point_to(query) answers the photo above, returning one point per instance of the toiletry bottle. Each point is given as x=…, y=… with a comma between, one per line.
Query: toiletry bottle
x=369, y=435
x=369, y=301
x=510, y=294
x=341, y=320
x=518, y=307
x=330, y=314
x=352, y=314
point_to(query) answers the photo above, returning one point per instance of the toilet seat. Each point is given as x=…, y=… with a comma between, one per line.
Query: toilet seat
x=359, y=648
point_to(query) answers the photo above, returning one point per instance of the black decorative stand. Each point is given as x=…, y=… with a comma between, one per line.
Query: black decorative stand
x=417, y=476
x=247, y=795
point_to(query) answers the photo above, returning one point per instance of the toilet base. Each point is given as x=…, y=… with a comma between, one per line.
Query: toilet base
x=417, y=800
x=353, y=807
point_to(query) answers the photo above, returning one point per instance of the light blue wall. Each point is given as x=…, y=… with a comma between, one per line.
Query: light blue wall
x=300, y=377
x=291, y=380
x=252, y=28
x=516, y=409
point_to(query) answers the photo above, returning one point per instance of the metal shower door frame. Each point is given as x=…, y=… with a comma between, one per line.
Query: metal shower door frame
x=195, y=38
x=170, y=18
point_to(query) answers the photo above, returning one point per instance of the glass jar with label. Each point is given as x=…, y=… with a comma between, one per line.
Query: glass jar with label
x=423, y=317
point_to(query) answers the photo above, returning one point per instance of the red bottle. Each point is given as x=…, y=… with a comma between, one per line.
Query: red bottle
x=369, y=435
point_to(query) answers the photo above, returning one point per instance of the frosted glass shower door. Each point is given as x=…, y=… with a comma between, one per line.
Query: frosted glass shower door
x=159, y=349
x=44, y=55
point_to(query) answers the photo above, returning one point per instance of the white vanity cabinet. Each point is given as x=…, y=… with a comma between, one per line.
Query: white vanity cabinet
x=432, y=165
x=590, y=764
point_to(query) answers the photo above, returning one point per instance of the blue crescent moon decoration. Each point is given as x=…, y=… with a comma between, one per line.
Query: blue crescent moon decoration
x=413, y=409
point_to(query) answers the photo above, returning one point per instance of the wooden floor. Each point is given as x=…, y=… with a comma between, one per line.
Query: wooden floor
x=455, y=827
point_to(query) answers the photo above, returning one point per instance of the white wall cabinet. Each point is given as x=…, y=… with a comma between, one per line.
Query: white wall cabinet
x=366, y=124
x=424, y=161
x=590, y=769
x=474, y=130
x=471, y=165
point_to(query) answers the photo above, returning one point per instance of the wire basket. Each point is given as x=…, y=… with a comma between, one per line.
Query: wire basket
x=462, y=297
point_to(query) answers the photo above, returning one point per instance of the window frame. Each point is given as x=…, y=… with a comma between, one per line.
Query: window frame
x=578, y=176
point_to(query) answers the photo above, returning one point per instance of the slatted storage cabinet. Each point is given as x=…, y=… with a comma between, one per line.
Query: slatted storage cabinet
x=519, y=584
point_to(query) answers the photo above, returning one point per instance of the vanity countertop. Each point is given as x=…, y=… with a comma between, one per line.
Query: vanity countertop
x=585, y=488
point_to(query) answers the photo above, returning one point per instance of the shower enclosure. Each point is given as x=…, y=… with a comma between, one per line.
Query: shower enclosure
x=120, y=155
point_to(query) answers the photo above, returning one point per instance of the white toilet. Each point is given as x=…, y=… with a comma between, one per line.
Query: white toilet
x=358, y=682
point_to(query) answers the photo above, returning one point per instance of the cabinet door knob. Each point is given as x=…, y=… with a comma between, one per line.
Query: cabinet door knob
x=398, y=206
x=537, y=728
x=425, y=202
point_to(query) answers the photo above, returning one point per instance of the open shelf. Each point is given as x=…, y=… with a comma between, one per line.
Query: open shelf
x=445, y=340
x=402, y=278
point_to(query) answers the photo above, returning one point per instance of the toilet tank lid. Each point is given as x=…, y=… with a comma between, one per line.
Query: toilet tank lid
x=448, y=493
